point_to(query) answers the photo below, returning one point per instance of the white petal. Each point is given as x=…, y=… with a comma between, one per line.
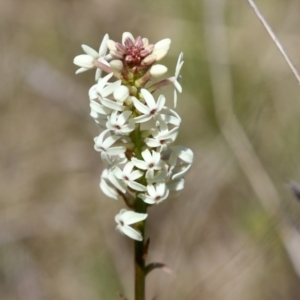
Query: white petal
x=135, y=175
x=120, y=185
x=175, y=98
x=161, y=188
x=98, y=74
x=93, y=94
x=155, y=157
x=90, y=51
x=162, y=44
x=112, y=105
x=111, y=45
x=100, y=109
x=140, y=106
x=146, y=154
x=184, y=153
x=130, y=217
x=108, y=190
x=81, y=70
x=184, y=170
x=84, y=61
x=137, y=186
x=151, y=190
x=103, y=46
x=148, y=199
x=160, y=102
x=124, y=117
x=110, y=88
x=177, y=86
x=142, y=119
x=109, y=141
x=160, y=53
x=128, y=127
x=152, y=142
x=103, y=81
x=148, y=98
x=118, y=173
x=128, y=168
x=140, y=164
x=132, y=233
x=116, y=150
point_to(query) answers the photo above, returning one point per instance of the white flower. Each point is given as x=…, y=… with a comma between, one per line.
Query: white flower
x=99, y=113
x=105, y=88
x=152, y=162
x=104, y=145
x=126, y=218
x=163, y=137
x=85, y=61
x=177, y=78
x=105, y=186
x=128, y=176
x=156, y=193
x=151, y=109
x=180, y=168
x=119, y=123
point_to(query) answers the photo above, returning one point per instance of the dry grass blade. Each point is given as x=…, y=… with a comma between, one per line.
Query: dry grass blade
x=275, y=39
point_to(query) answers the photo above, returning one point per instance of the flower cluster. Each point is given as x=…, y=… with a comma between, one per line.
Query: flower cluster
x=144, y=167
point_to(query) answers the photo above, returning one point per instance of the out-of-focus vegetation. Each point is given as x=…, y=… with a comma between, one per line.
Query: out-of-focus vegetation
x=57, y=236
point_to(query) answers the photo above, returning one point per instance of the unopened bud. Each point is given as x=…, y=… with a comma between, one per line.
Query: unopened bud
x=158, y=70
x=116, y=64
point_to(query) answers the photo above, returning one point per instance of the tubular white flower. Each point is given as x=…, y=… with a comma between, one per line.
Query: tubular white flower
x=128, y=176
x=126, y=218
x=155, y=193
x=151, y=109
x=105, y=88
x=85, y=61
x=104, y=145
x=119, y=123
x=163, y=137
x=152, y=162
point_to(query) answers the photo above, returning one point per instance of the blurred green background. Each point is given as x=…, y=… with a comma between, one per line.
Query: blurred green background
x=232, y=234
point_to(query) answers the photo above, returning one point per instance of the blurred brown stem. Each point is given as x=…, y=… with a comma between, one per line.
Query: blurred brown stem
x=139, y=256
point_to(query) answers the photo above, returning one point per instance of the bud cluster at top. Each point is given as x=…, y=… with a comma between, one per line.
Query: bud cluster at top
x=144, y=167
